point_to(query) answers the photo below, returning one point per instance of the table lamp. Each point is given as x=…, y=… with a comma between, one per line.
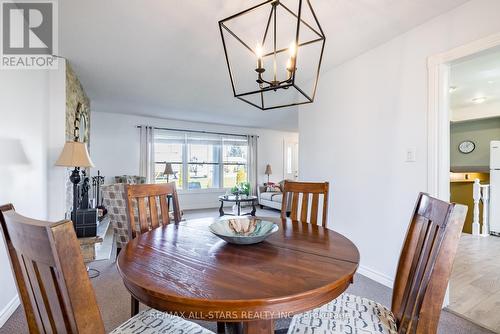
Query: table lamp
x=168, y=170
x=75, y=154
x=268, y=172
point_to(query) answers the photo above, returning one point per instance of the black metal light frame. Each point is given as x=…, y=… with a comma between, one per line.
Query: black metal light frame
x=286, y=83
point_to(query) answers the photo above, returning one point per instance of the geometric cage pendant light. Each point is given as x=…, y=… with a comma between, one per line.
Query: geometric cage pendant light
x=273, y=52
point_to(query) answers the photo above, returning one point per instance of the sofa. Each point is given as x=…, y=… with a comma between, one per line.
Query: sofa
x=270, y=199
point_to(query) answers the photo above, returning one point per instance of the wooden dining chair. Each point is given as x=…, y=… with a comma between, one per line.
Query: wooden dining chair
x=148, y=208
x=151, y=202
x=421, y=281
x=53, y=284
x=307, y=192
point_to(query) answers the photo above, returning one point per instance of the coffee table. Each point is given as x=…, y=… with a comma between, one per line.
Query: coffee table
x=238, y=199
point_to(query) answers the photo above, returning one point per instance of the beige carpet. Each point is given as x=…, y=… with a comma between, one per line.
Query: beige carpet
x=114, y=302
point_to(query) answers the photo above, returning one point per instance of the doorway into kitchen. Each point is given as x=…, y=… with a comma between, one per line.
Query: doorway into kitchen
x=474, y=104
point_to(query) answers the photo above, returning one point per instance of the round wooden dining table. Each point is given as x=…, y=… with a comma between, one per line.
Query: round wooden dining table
x=184, y=269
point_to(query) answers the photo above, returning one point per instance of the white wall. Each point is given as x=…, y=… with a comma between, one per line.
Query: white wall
x=26, y=113
x=25, y=186
x=115, y=149
x=368, y=112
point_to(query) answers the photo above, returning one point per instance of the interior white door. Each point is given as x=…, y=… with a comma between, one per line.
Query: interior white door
x=291, y=160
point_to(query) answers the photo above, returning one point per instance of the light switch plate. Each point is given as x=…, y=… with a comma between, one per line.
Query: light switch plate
x=411, y=154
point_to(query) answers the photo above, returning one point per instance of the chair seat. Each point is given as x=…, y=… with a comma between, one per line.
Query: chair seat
x=155, y=322
x=346, y=314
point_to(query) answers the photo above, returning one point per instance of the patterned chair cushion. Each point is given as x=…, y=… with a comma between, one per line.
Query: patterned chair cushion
x=130, y=179
x=155, y=322
x=346, y=314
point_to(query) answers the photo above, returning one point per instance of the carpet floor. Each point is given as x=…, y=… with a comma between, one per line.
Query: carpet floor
x=114, y=302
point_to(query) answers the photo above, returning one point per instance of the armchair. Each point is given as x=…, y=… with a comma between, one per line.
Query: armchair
x=115, y=200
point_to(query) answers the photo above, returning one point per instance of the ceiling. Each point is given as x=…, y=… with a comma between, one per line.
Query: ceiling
x=164, y=58
x=476, y=77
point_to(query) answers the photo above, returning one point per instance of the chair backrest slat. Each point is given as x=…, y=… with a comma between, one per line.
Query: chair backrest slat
x=165, y=215
x=425, y=264
x=293, y=192
x=143, y=214
x=305, y=207
x=44, y=291
x=314, y=209
x=50, y=275
x=295, y=206
x=149, y=216
x=153, y=208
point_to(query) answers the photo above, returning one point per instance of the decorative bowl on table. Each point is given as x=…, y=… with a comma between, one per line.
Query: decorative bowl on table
x=243, y=230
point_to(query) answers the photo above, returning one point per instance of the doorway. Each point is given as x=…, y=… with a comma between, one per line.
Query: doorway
x=291, y=159
x=474, y=125
x=463, y=118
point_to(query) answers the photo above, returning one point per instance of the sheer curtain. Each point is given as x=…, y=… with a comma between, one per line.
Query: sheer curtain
x=147, y=153
x=252, y=163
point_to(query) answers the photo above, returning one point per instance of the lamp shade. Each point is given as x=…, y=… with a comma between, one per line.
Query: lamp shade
x=269, y=170
x=168, y=169
x=75, y=154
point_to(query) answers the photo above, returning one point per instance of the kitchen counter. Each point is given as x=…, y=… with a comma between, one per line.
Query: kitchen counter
x=470, y=169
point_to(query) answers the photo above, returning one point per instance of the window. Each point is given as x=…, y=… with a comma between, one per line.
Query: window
x=235, y=152
x=200, y=160
x=169, y=147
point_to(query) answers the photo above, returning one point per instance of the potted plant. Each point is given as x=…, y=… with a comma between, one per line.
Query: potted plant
x=242, y=188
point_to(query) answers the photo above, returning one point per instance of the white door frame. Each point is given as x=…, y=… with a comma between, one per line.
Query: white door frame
x=438, y=126
x=438, y=136
x=295, y=154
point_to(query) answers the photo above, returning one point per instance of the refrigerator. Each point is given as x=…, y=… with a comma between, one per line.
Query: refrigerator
x=495, y=188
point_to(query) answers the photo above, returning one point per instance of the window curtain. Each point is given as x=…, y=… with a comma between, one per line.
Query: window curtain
x=252, y=163
x=147, y=153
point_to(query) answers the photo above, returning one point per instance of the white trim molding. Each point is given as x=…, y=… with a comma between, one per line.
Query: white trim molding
x=376, y=276
x=438, y=122
x=9, y=309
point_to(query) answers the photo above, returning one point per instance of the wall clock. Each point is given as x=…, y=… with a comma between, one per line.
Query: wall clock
x=466, y=147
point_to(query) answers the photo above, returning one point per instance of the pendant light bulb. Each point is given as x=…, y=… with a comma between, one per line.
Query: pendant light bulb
x=292, y=50
x=259, y=52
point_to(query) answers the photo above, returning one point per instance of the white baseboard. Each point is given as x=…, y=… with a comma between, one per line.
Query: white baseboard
x=8, y=310
x=376, y=276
